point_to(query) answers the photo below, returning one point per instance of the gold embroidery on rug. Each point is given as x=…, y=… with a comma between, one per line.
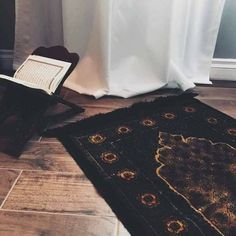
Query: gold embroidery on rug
x=109, y=157
x=176, y=226
x=231, y=131
x=123, y=130
x=148, y=122
x=199, y=170
x=96, y=139
x=127, y=174
x=169, y=116
x=189, y=109
x=149, y=200
x=212, y=120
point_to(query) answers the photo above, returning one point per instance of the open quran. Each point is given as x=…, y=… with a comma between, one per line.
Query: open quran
x=39, y=72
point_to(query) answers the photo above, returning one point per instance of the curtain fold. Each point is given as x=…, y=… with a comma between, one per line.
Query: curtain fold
x=195, y=26
x=127, y=47
x=38, y=23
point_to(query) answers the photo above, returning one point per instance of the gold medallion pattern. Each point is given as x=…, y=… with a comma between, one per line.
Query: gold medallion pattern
x=169, y=116
x=231, y=131
x=212, y=120
x=189, y=109
x=127, y=175
x=96, y=139
x=109, y=157
x=149, y=199
x=123, y=130
x=148, y=122
x=175, y=226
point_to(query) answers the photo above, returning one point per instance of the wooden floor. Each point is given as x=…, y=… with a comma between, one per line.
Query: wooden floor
x=45, y=193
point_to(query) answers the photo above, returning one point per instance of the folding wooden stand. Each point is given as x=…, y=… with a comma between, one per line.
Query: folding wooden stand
x=29, y=105
x=60, y=53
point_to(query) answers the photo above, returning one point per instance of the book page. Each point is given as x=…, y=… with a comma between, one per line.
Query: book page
x=42, y=72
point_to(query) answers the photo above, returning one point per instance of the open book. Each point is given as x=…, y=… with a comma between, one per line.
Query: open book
x=40, y=73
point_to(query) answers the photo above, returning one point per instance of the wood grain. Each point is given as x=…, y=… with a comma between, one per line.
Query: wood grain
x=56, y=192
x=106, y=104
x=7, y=179
x=42, y=156
x=59, y=199
x=32, y=224
x=214, y=96
x=216, y=93
x=122, y=231
x=228, y=106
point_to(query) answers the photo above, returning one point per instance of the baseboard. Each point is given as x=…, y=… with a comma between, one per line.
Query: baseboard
x=223, y=69
x=6, y=59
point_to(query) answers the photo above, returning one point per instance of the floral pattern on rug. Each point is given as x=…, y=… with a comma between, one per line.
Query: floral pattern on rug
x=202, y=172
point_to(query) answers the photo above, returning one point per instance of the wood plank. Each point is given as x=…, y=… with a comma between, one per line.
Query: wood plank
x=71, y=193
x=41, y=156
x=115, y=102
x=122, y=231
x=216, y=93
x=7, y=179
x=103, y=105
x=226, y=106
x=32, y=224
x=56, y=192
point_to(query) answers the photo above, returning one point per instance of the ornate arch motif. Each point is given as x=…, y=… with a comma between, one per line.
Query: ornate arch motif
x=195, y=168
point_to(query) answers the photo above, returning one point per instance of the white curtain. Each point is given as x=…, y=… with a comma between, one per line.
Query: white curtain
x=127, y=47
x=38, y=23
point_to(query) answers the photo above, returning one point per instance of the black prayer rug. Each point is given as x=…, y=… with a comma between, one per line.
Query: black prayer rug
x=166, y=167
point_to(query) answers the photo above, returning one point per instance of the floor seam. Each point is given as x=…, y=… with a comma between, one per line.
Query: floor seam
x=9, y=168
x=32, y=170
x=55, y=213
x=13, y=185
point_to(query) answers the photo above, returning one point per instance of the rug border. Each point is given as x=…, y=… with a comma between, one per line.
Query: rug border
x=103, y=118
x=82, y=159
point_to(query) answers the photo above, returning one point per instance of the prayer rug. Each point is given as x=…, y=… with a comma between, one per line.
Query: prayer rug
x=166, y=167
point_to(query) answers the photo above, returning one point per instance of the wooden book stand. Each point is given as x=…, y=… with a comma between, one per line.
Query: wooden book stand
x=28, y=105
